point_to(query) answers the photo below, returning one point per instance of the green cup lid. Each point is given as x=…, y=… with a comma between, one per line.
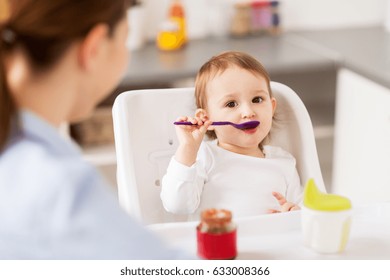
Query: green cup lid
x=314, y=199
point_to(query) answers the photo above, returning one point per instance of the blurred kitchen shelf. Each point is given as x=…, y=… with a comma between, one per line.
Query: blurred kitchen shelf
x=100, y=155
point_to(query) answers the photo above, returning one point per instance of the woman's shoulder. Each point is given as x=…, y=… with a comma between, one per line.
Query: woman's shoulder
x=44, y=166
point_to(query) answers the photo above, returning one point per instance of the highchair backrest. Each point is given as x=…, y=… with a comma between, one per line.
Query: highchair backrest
x=145, y=141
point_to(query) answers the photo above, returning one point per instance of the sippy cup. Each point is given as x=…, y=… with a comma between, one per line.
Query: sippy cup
x=326, y=220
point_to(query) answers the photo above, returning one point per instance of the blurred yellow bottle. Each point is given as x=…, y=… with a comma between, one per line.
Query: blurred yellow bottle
x=173, y=34
x=177, y=14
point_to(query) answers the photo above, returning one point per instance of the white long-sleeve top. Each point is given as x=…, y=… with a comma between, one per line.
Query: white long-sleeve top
x=223, y=179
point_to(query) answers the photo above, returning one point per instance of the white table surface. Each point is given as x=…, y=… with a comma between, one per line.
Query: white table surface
x=279, y=236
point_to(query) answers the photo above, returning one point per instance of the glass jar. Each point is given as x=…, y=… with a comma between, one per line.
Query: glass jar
x=216, y=235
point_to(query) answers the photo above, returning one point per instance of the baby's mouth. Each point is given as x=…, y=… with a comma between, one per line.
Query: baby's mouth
x=249, y=125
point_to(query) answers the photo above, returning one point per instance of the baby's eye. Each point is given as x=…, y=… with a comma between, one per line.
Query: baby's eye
x=231, y=104
x=257, y=99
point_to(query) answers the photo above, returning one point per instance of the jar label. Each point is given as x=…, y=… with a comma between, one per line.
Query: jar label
x=220, y=246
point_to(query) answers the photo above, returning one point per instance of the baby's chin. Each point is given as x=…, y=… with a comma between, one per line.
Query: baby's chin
x=253, y=149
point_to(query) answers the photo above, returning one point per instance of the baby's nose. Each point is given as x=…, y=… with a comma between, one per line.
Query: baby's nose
x=247, y=112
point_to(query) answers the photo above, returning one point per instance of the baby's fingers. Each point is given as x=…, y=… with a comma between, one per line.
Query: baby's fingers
x=295, y=207
x=205, y=126
x=196, y=121
x=280, y=198
x=287, y=207
x=193, y=121
x=273, y=211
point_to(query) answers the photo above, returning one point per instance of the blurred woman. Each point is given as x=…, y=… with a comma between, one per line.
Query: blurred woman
x=58, y=60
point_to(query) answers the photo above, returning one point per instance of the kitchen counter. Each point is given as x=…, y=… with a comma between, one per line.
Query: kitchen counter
x=277, y=54
x=363, y=50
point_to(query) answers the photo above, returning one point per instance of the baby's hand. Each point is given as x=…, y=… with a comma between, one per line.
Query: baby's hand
x=285, y=205
x=190, y=137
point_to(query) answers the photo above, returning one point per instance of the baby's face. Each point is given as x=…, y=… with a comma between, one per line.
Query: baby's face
x=237, y=95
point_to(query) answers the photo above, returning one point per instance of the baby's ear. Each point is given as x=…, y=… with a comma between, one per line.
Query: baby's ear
x=274, y=105
x=201, y=113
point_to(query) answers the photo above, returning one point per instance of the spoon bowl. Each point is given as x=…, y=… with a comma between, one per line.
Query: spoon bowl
x=245, y=125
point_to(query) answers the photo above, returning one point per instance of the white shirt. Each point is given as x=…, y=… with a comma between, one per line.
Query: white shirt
x=223, y=179
x=54, y=205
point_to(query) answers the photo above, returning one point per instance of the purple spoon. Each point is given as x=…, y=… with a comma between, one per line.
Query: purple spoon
x=245, y=125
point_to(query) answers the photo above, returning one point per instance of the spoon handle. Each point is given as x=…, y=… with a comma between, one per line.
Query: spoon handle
x=183, y=123
x=190, y=123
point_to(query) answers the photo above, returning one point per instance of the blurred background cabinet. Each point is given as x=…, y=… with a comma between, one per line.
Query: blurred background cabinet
x=361, y=168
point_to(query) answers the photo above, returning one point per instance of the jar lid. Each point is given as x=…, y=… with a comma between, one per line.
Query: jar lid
x=314, y=199
x=216, y=216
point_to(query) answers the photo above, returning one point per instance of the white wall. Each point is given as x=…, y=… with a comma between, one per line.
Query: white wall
x=204, y=17
x=322, y=14
x=210, y=17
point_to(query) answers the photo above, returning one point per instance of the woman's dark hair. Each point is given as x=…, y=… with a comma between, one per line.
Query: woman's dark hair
x=45, y=29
